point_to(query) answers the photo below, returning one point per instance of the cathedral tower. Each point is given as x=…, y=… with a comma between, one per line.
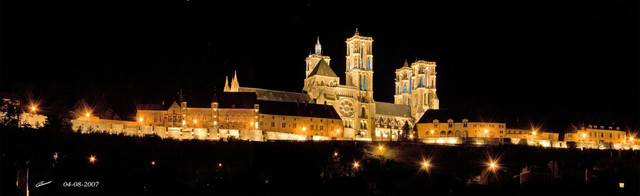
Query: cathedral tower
x=416, y=87
x=359, y=76
x=359, y=63
x=313, y=59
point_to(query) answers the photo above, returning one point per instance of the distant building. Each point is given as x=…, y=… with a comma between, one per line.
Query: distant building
x=593, y=136
x=458, y=125
x=480, y=127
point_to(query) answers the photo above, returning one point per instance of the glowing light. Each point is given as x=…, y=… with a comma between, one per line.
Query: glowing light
x=92, y=159
x=425, y=164
x=380, y=147
x=215, y=122
x=140, y=119
x=304, y=129
x=256, y=125
x=87, y=114
x=356, y=165
x=534, y=133
x=411, y=136
x=621, y=185
x=219, y=164
x=251, y=123
x=584, y=135
x=431, y=132
x=337, y=130
x=493, y=165
x=33, y=108
x=153, y=163
x=486, y=131
x=631, y=138
x=184, y=122
x=335, y=154
x=195, y=121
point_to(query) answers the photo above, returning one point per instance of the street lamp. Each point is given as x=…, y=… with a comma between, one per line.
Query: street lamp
x=380, y=147
x=356, y=165
x=33, y=108
x=493, y=166
x=92, y=159
x=425, y=164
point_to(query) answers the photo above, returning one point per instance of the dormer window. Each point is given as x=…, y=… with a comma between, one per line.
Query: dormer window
x=464, y=122
x=450, y=122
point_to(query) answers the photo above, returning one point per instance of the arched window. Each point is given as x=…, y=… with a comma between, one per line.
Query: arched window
x=364, y=83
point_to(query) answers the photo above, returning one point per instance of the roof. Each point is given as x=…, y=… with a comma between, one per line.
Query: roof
x=152, y=107
x=391, y=109
x=322, y=69
x=274, y=95
x=298, y=109
x=237, y=99
x=459, y=114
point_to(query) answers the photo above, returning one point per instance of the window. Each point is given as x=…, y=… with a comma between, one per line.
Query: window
x=273, y=124
x=610, y=135
x=311, y=127
x=450, y=122
x=321, y=127
x=294, y=125
x=284, y=125
x=320, y=120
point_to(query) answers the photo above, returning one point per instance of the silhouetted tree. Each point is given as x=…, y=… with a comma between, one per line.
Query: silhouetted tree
x=11, y=112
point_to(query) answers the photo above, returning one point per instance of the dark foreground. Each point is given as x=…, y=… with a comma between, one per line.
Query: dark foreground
x=127, y=165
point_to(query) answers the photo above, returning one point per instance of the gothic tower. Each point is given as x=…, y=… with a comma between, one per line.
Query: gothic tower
x=416, y=87
x=313, y=59
x=359, y=75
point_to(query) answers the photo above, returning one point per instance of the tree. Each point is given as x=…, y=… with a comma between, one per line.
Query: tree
x=12, y=113
x=404, y=135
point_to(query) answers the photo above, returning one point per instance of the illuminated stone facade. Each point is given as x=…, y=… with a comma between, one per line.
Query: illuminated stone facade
x=592, y=136
x=416, y=87
x=362, y=116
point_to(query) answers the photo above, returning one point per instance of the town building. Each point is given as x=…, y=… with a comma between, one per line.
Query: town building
x=593, y=136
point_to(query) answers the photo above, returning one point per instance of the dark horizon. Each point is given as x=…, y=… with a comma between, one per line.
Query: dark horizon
x=570, y=61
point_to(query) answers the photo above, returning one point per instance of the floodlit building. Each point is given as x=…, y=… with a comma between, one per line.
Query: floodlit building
x=456, y=126
x=593, y=136
x=481, y=127
x=362, y=116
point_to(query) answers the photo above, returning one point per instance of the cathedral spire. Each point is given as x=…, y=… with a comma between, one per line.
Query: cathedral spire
x=357, y=31
x=226, y=84
x=405, y=63
x=318, y=47
x=234, y=82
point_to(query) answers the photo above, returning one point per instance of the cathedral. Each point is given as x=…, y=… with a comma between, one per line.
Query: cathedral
x=362, y=116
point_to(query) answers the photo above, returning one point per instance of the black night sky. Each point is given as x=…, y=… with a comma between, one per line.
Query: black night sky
x=572, y=61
